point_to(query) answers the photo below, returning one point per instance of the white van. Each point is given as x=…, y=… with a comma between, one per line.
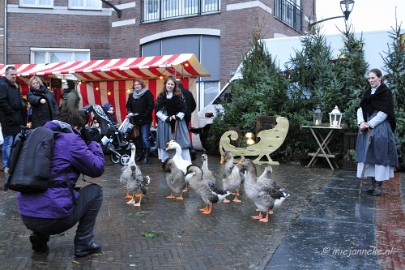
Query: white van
x=282, y=49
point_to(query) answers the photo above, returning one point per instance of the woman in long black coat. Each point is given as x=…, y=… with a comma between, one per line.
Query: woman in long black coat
x=43, y=104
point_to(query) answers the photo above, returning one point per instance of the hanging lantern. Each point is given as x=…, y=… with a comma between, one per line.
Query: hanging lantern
x=317, y=116
x=335, y=117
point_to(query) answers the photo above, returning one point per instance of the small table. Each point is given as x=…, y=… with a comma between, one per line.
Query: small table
x=323, y=150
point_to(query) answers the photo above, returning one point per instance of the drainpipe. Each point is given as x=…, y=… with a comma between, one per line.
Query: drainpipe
x=5, y=32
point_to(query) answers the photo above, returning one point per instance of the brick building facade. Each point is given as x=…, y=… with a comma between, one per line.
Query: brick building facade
x=222, y=35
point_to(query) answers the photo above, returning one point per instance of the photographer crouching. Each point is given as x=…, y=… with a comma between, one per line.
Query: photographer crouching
x=59, y=208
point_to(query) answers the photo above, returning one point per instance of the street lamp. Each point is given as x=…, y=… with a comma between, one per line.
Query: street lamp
x=345, y=5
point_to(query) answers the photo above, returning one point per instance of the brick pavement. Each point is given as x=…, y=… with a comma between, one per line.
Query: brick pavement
x=226, y=239
x=390, y=225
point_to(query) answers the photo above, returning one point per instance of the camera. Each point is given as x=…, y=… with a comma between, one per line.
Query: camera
x=91, y=134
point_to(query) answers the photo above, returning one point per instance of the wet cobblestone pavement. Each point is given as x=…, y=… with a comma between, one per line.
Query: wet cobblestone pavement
x=324, y=224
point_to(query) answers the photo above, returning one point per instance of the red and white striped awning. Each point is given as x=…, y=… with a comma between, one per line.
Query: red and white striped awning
x=151, y=67
x=21, y=68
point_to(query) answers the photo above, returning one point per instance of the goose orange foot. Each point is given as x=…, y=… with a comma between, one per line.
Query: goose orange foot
x=180, y=198
x=204, y=209
x=266, y=219
x=208, y=211
x=236, y=199
x=138, y=203
x=131, y=201
x=259, y=216
x=171, y=196
x=226, y=200
x=127, y=196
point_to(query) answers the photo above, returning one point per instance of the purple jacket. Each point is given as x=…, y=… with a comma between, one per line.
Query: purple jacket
x=70, y=150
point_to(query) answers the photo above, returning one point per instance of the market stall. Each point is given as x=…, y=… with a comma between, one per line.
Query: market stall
x=110, y=80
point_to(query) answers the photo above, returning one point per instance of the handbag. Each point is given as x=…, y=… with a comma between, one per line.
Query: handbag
x=135, y=132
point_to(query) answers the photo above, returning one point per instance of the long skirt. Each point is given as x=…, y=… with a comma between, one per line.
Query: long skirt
x=376, y=153
x=166, y=134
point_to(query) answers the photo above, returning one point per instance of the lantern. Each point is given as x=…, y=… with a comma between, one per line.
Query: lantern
x=250, y=138
x=335, y=117
x=317, y=116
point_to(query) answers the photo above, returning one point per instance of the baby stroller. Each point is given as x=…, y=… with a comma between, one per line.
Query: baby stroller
x=113, y=140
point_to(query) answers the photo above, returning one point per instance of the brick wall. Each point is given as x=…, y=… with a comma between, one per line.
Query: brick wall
x=96, y=32
x=26, y=30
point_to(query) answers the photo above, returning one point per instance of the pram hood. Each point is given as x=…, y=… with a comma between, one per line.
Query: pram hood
x=98, y=113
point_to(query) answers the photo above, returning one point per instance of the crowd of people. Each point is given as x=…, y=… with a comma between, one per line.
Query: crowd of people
x=75, y=152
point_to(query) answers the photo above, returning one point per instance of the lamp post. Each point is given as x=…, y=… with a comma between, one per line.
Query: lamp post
x=345, y=5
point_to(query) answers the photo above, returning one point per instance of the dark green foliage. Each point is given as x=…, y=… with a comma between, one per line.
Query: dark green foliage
x=314, y=77
x=331, y=80
x=351, y=69
x=261, y=92
x=395, y=79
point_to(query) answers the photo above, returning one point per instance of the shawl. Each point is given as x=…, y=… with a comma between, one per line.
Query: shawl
x=172, y=106
x=41, y=91
x=138, y=95
x=381, y=100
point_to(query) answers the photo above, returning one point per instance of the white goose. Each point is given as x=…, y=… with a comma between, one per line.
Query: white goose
x=265, y=178
x=264, y=196
x=181, y=163
x=232, y=178
x=175, y=179
x=126, y=171
x=200, y=186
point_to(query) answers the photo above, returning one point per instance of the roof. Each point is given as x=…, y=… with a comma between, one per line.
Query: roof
x=179, y=65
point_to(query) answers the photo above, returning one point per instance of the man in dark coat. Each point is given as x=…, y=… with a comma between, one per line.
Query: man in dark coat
x=13, y=111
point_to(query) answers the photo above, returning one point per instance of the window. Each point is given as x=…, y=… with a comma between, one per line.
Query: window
x=210, y=5
x=151, y=10
x=47, y=55
x=85, y=4
x=289, y=12
x=156, y=10
x=37, y=3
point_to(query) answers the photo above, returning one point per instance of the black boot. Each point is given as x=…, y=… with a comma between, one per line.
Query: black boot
x=90, y=249
x=139, y=151
x=138, y=156
x=84, y=242
x=39, y=242
x=145, y=156
x=377, y=190
x=373, y=186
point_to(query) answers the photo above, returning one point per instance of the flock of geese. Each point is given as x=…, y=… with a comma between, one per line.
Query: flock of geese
x=181, y=175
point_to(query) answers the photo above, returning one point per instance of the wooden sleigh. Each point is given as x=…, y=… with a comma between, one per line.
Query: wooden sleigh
x=270, y=141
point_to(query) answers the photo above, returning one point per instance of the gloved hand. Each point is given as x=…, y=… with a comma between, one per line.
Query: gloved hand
x=178, y=118
x=129, y=115
x=90, y=134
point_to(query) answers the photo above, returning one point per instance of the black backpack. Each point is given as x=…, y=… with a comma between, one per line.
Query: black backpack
x=30, y=162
